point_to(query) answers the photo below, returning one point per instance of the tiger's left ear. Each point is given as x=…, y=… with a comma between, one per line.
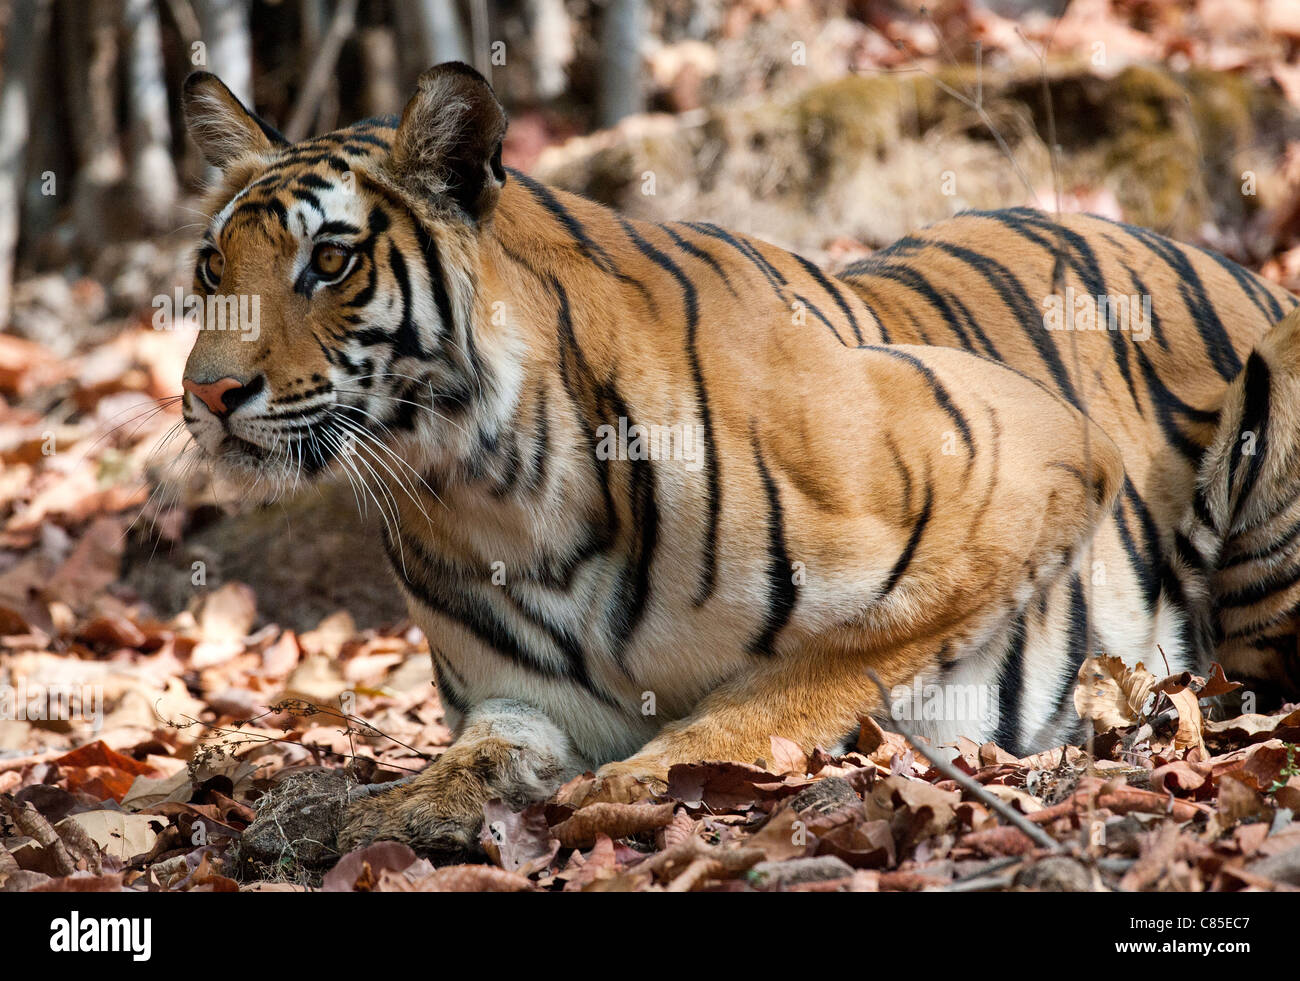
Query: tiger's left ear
x=448, y=144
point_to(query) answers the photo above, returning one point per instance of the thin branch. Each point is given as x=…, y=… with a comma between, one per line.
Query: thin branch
x=967, y=783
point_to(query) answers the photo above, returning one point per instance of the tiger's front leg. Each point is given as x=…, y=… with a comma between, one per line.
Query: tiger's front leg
x=508, y=750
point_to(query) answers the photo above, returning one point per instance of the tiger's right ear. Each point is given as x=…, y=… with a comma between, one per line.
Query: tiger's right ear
x=219, y=123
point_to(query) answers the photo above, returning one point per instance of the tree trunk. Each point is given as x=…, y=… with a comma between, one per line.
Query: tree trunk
x=153, y=175
x=383, y=91
x=321, y=75
x=552, y=47
x=479, y=28
x=441, y=32
x=26, y=28
x=620, y=69
x=91, y=31
x=229, y=52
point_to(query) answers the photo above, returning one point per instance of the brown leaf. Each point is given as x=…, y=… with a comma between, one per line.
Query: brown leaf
x=1110, y=694
x=1190, y=722
x=784, y=836
x=864, y=845
x=472, y=878
x=518, y=842
x=598, y=865
x=1003, y=840
x=1217, y=684
x=1257, y=728
x=119, y=834
x=228, y=613
x=356, y=871
x=82, y=882
x=614, y=820
x=725, y=786
x=1180, y=778
x=787, y=757
x=1238, y=801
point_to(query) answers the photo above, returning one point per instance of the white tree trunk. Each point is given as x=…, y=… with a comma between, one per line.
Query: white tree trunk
x=228, y=45
x=441, y=31
x=552, y=46
x=153, y=175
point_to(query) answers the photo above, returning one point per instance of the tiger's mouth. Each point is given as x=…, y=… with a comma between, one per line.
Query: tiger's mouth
x=304, y=455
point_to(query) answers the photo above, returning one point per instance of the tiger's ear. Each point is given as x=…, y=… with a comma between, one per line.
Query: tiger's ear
x=448, y=143
x=219, y=123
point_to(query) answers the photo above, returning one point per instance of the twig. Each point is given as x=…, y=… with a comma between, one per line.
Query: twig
x=971, y=786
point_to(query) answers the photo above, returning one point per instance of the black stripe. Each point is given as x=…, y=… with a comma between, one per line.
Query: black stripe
x=1080, y=257
x=937, y=388
x=915, y=281
x=437, y=589
x=433, y=266
x=712, y=467
x=632, y=596
x=1254, y=419
x=1011, y=684
x=1078, y=644
x=781, y=592
x=703, y=256
x=1166, y=404
x=835, y=294
x=448, y=682
x=578, y=232
x=1275, y=547
x=1250, y=284
x=913, y=541
x=1204, y=314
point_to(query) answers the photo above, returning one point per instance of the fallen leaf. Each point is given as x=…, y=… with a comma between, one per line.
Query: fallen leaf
x=1110, y=694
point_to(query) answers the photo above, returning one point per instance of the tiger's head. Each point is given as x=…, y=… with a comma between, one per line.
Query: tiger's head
x=336, y=283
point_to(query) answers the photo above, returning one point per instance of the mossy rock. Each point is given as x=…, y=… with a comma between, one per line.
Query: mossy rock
x=852, y=157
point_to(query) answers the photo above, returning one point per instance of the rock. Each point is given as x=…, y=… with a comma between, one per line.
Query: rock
x=271, y=549
x=826, y=795
x=297, y=826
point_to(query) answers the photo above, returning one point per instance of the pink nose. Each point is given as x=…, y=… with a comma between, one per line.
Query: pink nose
x=212, y=393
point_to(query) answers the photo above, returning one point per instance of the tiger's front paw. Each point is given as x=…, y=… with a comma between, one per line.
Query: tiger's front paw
x=438, y=815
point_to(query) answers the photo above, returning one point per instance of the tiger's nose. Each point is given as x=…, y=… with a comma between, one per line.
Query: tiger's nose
x=224, y=396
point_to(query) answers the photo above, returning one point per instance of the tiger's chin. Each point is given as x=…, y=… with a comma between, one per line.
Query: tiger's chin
x=265, y=474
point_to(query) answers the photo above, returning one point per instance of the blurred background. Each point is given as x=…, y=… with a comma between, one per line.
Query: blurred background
x=830, y=127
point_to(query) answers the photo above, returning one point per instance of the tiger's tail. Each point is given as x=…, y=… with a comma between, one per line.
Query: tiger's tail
x=1243, y=528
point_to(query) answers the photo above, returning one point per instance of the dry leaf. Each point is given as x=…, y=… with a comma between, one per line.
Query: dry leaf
x=1110, y=694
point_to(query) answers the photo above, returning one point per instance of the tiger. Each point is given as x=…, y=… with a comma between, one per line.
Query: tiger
x=658, y=493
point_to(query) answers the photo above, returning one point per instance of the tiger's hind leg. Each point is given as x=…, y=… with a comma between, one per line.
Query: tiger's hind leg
x=1242, y=534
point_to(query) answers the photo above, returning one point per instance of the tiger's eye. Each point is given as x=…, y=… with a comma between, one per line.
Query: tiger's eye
x=216, y=264
x=329, y=260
